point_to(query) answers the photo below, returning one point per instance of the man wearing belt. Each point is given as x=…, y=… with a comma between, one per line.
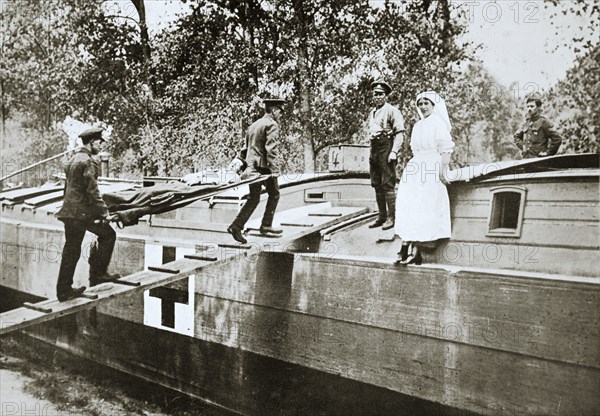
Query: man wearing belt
x=260, y=156
x=537, y=137
x=84, y=210
x=386, y=133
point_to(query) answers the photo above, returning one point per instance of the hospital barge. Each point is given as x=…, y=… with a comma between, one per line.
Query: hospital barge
x=503, y=317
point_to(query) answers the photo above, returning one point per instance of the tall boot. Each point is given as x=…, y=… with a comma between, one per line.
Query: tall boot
x=382, y=215
x=390, y=199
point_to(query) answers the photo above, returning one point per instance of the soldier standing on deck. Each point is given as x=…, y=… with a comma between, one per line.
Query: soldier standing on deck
x=537, y=137
x=84, y=210
x=260, y=157
x=386, y=133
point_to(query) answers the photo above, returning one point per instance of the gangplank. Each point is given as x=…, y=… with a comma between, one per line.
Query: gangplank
x=299, y=222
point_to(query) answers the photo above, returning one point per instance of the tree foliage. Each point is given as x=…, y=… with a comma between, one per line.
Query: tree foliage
x=66, y=57
x=573, y=101
x=484, y=117
x=183, y=99
x=573, y=105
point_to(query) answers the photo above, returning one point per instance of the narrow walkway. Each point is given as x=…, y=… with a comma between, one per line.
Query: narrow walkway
x=300, y=222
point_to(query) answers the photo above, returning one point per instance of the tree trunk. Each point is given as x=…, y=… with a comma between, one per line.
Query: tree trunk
x=3, y=112
x=305, y=114
x=145, y=40
x=305, y=91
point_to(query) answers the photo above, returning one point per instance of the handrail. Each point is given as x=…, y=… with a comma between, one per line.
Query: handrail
x=36, y=164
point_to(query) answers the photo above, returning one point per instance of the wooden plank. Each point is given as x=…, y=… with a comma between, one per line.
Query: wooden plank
x=125, y=282
x=297, y=224
x=19, y=195
x=163, y=269
x=22, y=317
x=240, y=246
x=574, y=234
x=565, y=211
x=525, y=258
x=91, y=296
x=201, y=258
x=36, y=307
x=261, y=235
x=536, y=191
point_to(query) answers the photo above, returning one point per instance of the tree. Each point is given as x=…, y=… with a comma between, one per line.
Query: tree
x=573, y=105
x=572, y=102
x=321, y=55
x=484, y=117
x=66, y=57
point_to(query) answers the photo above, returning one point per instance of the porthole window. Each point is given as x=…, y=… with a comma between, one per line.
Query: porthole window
x=506, y=214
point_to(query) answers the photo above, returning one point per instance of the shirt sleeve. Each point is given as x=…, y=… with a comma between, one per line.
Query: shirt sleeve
x=396, y=120
x=519, y=139
x=554, y=139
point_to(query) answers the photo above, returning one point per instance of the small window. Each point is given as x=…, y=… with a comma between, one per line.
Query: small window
x=320, y=196
x=506, y=216
x=168, y=254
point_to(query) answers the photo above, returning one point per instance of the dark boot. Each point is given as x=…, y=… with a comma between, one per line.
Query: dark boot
x=381, y=205
x=70, y=293
x=402, y=254
x=104, y=278
x=390, y=199
x=236, y=233
x=268, y=229
x=414, y=255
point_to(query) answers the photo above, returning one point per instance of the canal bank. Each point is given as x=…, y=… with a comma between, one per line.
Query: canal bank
x=38, y=379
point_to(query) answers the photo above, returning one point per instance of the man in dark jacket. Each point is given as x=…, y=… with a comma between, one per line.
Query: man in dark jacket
x=260, y=156
x=537, y=137
x=84, y=210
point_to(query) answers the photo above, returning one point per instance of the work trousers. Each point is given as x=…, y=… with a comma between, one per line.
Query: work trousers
x=100, y=254
x=383, y=173
x=272, y=187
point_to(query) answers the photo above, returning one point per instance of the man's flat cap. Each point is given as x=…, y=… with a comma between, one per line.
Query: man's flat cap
x=381, y=85
x=273, y=102
x=93, y=133
x=534, y=96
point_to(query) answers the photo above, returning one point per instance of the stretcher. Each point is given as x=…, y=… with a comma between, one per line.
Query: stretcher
x=127, y=207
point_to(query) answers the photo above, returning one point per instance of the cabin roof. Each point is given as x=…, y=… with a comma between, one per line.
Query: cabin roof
x=561, y=165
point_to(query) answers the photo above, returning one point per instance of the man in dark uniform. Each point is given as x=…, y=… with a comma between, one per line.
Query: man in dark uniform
x=84, y=210
x=260, y=157
x=537, y=137
x=386, y=133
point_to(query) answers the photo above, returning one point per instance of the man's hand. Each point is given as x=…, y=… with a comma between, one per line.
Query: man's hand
x=393, y=156
x=542, y=154
x=236, y=165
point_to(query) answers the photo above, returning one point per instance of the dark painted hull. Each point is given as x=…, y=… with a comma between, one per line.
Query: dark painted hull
x=237, y=380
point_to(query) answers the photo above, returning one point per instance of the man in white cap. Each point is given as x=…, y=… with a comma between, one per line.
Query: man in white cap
x=260, y=156
x=84, y=210
x=386, y=133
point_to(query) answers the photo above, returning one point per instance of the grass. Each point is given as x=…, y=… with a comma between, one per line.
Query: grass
x=76, y=385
